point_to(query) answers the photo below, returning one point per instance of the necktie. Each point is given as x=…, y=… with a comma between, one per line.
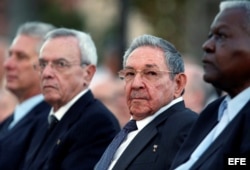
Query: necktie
x=107, y=157
x=223, y=121
x=52, y=121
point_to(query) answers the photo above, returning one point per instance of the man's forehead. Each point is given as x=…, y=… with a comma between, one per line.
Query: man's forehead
x=231, y=15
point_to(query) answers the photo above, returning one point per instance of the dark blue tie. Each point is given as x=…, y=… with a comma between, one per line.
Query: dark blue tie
x=52, y=121
x=107, y=157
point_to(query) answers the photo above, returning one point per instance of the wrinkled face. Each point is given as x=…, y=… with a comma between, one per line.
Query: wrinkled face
x=227, y=53
x=145, y=97
x=60, y=84
x=21, y=77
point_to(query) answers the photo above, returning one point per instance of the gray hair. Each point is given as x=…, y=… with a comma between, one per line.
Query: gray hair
x=173, y=58
x=85, y=43
x=35, y=29
x=243, y=5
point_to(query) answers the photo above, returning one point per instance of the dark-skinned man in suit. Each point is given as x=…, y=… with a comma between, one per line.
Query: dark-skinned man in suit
x=223, y=130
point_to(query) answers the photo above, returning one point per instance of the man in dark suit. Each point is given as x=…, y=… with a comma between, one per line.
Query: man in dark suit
x=223, y=130
x=17, y=131
x=154, y=83
x=84, y=126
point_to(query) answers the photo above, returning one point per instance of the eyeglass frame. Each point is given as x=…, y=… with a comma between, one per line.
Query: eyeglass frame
x=142, y=73
x=55, y=64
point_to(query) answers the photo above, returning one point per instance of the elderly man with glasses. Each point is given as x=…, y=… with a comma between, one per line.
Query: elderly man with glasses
x=154, y=83
x=79, y=127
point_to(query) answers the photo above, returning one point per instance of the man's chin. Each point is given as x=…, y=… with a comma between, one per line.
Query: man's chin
x=50, y=98
x=139, y=111
x=13, y=88
x=208, y=78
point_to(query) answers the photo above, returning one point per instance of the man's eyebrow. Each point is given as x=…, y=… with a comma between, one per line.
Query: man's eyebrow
x=58, y=59
x=128, y=67
x=146, y=66
x=41, y=60
x=151, y=66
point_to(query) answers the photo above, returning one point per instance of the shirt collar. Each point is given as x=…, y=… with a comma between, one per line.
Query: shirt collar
x=142, y=123
x=235, y=104
x=62, y=110
x=25, y=107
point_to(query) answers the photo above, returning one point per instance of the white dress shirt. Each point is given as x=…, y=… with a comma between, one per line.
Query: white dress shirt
x=62, y=110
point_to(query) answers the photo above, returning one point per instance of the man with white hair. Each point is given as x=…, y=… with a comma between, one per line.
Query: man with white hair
x=80, y=127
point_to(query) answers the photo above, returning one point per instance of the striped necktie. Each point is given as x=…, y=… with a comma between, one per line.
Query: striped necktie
x=107, y=157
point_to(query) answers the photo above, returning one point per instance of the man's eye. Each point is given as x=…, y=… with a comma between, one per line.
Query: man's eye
x=223, y=35
x=61, y=64
x=42, y=64
x=22, y=56
x=220, y=36
x=150, y=73
x=217, y=36
x=129, y=74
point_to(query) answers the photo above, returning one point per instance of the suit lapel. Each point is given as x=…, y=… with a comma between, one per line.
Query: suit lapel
x=54, y=138
x=212, y=149
x=36, y=112
x=39, y=136
x=201, y=128
x=4, y=126
x=37, y=143
x=223, y=137
x=144, y=137
x=135, y=147
x=75, y=111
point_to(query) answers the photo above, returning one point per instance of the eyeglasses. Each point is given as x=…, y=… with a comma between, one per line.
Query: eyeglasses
x=58, y=65
x=148, y=74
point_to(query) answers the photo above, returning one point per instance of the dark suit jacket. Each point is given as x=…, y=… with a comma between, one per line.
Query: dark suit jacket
x=166, y=132
x=234, y=141
x=14, y=143
x=77, y=141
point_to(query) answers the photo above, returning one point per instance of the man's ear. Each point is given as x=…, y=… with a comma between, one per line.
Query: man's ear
x=88, y=73
x=180, y=80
